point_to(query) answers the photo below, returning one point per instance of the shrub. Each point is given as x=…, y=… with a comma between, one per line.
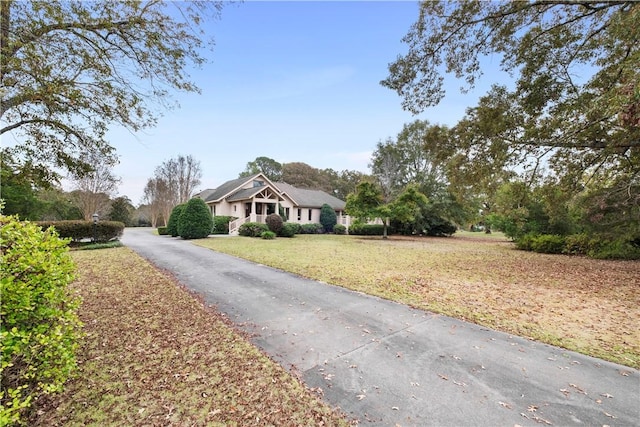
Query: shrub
x=196, y=221
x=172, y=224
x=311, y=229
x=221, y=224
x=617, y=249
x=360, y=229
x=80, y=230
x=274, y=222
x=328, y=218
x=289, y=229
x=548, y=244
x=580, y=244
x=339, y=229
x=441, y=227
x=526, y=242
x=40, y=327
x=268, y=235
x=163, y=231
x=252, y=229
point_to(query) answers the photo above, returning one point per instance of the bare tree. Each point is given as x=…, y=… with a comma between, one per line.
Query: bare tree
x=93, y=191
x=182, y=176
x=158, y=201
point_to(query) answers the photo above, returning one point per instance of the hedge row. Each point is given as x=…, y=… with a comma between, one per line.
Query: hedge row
x=80, y=230
x=580, y=244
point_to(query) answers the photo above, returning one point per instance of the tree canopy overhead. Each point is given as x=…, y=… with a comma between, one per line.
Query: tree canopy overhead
x=575, y=105
x=69, y=69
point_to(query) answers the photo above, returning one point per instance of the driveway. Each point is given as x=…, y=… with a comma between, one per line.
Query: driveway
x=387, y=364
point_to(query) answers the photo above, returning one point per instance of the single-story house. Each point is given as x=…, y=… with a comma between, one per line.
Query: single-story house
x=251, y=199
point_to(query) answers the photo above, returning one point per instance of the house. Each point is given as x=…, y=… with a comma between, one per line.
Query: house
x=251, y=199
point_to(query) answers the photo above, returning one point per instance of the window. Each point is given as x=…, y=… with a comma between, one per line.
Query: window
x=299, y=214
x=310, y=212
x=257, y=183
x=286, y=212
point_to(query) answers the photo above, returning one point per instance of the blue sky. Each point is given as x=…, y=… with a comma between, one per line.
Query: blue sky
x=293, y=81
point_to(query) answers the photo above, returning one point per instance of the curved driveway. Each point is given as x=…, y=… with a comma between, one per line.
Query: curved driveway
x=387, y=364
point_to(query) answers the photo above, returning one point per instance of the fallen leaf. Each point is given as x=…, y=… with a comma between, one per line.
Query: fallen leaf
x=532, y=408
x=444, y=377
x=607, y=395
x=361, y=396
x=505, y=405
x=395, y=408
x=609, y=415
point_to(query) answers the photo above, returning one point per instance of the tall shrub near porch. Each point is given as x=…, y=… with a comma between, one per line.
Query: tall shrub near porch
x=195, y=221
x=328, y=218
x=39, y=326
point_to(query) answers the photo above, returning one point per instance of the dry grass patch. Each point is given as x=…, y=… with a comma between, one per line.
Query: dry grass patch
x=586, y=305
x=155, y=355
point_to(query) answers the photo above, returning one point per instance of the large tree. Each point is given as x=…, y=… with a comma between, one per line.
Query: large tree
x=69, y=69
x=93, y=190
x=182, y=175
x=265, y=165
x=575, y=103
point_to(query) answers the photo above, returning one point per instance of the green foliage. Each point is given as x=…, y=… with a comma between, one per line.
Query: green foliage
x=163, y=231
x=121, y=210
x=94, y=246
x=274, y=222
x=40, y=328
x=265, y=165
x=195, y=221
x=108, y=62
x=328, y=218
x=617, y=249
x=360, y=229
x=548, y=244
x=172, y=224
x=81, y=230
x=311, y=229
x=268, y=235
x=339, y=229
x=221, y=224
x=289, y=229
x=581, y=244
x=252, y=229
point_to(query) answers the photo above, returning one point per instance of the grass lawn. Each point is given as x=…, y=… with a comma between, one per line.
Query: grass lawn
x=586, y=305
x=154, y=355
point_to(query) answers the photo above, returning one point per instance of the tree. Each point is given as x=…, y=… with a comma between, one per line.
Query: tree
x=575, y=106
x=328, y=218
x=158, y=201
x=265, y=165
x=367, y=203
x=121, y=210
x=304, y=176
x=195, y=221
x=17, y=191
x=182, y=176
x=70, y=69
x=93, y=189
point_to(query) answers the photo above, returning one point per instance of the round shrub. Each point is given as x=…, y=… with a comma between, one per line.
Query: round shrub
x=221, y=224
x=268, y=235
x=252, y=229
x=172, y=224
x=339, y=229
x=40, y=328
x=311, y=229
x=289, y=229
x=274, y=222
x=328, y=218
x=196, y=221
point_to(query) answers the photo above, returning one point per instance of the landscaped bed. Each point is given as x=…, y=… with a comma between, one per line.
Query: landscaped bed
x=586, y=305
x=154, y=355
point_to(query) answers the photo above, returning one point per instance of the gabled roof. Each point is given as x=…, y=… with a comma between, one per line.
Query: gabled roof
x=245, y=194
x=310, y=198
x=204, y=194
x=228, y=188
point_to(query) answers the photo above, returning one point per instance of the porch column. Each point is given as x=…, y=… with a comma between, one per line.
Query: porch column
x=253, y=210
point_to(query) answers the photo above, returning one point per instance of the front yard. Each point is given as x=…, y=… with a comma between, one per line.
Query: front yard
x=586, y=305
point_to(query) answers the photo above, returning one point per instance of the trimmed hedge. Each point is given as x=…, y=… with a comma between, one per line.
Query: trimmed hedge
x=289, y=229
x=274, y=222
x=80, y=230
x=366, y=229
x=252, y=229
x=40, y=327
x=579, y=244
x=195, y=221
x=221, y=224
x=163, y=231
x=339, y=229
x=311, y=229
x=172, y=224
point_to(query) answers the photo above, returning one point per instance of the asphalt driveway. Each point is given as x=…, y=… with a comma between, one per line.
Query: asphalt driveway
x=387, y=364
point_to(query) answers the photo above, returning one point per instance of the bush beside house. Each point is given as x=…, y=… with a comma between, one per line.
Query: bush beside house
x=195, y=221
